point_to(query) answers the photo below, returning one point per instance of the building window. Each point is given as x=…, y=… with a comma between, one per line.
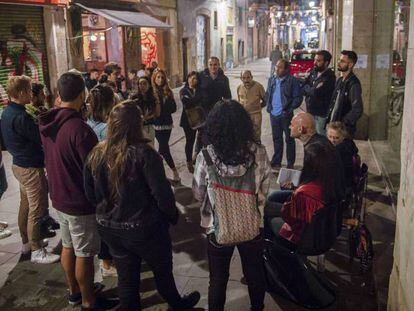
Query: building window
x=215, y=20
x=240, y=15
x=94, y=39
x=230, y=15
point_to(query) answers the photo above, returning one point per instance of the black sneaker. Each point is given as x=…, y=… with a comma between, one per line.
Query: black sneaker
x=76, y=298
x=188, y=301
x=50, y=223
x=103, y=304
x=46, y=233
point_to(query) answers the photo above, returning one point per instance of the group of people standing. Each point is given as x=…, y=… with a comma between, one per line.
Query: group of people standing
x=109, y=186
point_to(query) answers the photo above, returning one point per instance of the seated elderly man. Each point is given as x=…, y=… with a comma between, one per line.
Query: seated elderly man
x=321, y=183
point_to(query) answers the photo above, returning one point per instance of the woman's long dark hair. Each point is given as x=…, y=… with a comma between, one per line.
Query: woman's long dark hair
x=124, y=130
x=101, y=100
x=148, y=101
x=320, y=165
x=229, y=129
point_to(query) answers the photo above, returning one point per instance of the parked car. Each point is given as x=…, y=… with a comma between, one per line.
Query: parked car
x=301, y=63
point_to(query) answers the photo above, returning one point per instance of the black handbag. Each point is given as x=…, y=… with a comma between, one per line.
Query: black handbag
x=196, y=117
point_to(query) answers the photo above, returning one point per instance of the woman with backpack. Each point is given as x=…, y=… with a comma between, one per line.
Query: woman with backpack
x=287, y=212
x=231, y=179
x=149, y=105
x=164, y=123
x=125, y=180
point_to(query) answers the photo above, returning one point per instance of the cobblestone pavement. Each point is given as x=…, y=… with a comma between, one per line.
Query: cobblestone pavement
x=26, y=286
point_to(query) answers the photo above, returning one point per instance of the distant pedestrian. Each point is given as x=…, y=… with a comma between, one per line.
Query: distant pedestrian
x=125, y=180
x=141, y=73
x=92, y=79
x=67, y=140
x=132, y=80
x=232, y=157
x=275, y=55
x=251, y=95
x=164, y=123
x=282, y=98
x=112, y=72
x=192, y=116
x=22, y=140
x=286, y=52
x=149, y=104
x=39, y=96
x=318, y=89
x=346, y=105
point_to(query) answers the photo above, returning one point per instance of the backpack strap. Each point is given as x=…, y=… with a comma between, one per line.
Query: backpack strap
x=207, y=157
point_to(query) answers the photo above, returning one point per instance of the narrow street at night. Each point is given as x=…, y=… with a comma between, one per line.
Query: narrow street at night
x=206, y=155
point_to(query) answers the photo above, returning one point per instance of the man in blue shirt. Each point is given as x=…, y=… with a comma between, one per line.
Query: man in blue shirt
x=283, y=96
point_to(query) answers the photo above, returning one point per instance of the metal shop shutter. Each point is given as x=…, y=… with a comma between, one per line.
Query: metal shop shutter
x=22, y=44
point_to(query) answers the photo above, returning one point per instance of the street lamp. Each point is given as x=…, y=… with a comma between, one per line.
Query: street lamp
x=94, y=38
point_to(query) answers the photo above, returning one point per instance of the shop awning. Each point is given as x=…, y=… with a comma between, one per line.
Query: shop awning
x=128, y=18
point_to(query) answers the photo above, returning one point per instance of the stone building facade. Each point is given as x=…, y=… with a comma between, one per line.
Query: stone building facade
x=233, y=30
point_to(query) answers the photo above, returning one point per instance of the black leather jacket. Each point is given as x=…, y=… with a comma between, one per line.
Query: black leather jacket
x=213, y=90
x=318, y=92
x=146, y=198
x=350, y=106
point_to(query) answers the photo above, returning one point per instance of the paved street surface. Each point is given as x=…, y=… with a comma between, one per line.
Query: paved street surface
x=26, y=286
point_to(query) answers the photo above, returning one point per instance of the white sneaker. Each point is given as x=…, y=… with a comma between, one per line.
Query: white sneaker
x=111, y=272
x=4, y=233
x=26, y=248
x=42, y=256
x=3, y=225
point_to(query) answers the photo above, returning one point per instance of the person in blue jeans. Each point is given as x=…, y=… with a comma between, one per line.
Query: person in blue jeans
x=282, y=97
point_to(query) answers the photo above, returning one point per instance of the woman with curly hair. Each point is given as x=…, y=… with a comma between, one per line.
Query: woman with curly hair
x=232, y=152
x=164, y=123
x=146, y=100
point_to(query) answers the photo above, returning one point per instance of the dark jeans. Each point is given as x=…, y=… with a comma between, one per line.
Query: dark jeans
x=219, y=259
x=129, y=248
x=201, y=140
x=163, y=138
x=280, y=125
x=104, y=253
x=190, y=136
x=272, y=217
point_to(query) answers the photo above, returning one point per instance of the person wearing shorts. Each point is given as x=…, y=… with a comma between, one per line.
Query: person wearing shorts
x=67, y=141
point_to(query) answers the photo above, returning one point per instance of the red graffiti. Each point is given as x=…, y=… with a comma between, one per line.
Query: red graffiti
x=149, y=47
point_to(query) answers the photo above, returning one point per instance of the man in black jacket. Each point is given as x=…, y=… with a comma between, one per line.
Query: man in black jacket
x=346, y=104
x=214, y=85
x=318, y=89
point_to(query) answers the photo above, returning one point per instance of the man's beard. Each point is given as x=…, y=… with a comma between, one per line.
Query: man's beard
x=342, y=69
x=319, y=69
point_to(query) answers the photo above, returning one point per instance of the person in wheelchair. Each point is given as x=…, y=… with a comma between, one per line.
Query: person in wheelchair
x=287, y=212
x=338, y=136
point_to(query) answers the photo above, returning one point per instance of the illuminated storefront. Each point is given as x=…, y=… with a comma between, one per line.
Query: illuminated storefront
x=23, y=43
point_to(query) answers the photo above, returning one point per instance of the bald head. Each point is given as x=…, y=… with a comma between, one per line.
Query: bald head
x=302, y=125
